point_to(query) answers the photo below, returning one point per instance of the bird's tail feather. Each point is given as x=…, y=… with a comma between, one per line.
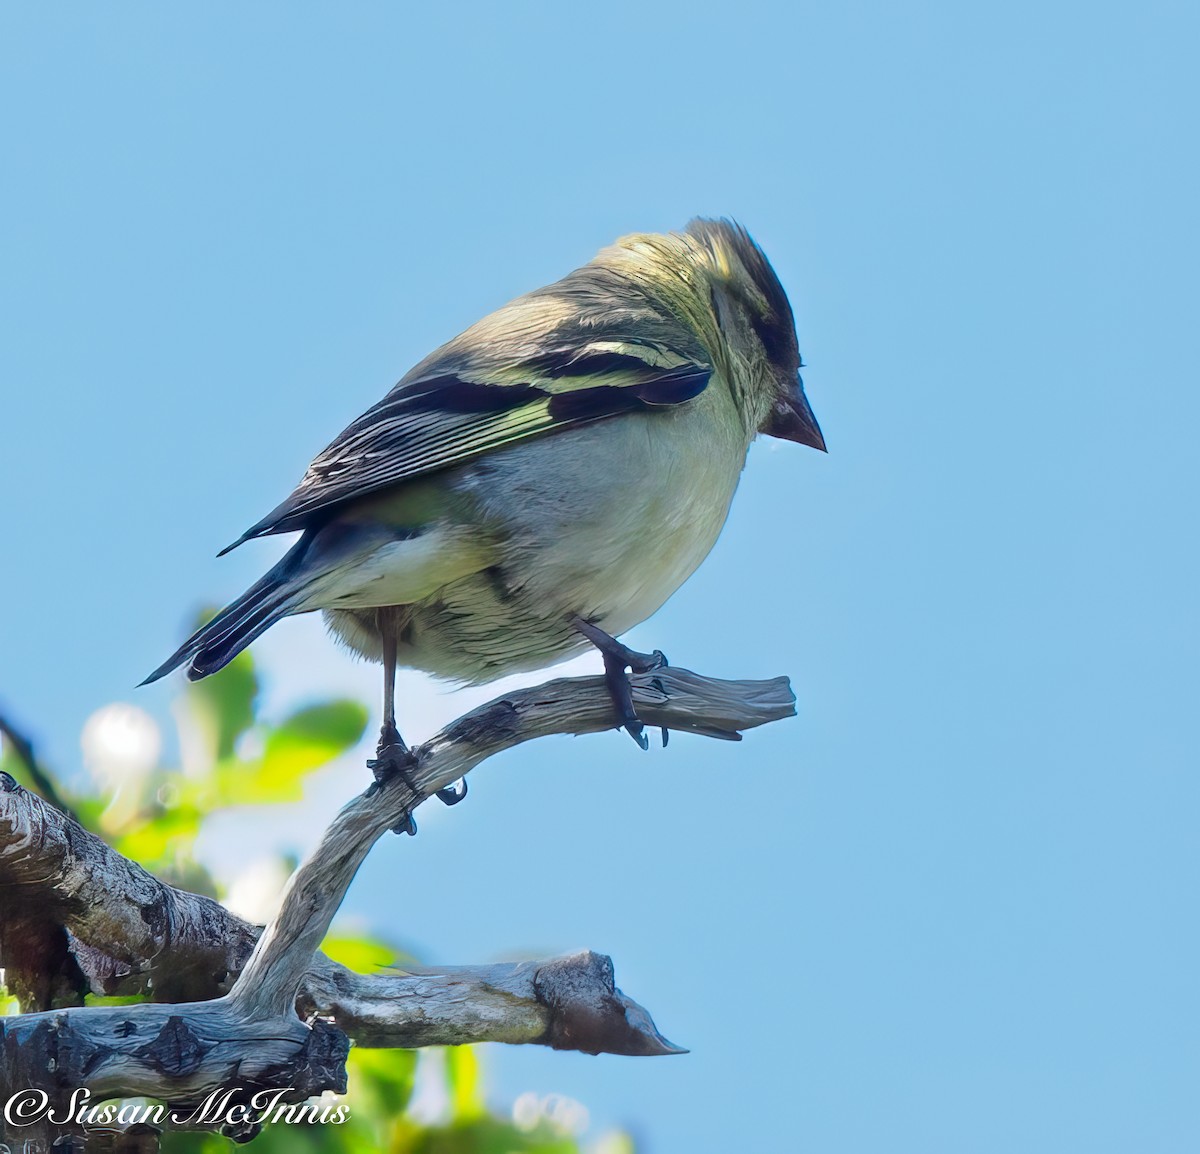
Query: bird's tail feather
x=216, y=644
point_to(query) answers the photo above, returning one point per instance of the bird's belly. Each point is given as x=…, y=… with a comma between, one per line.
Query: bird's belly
x=620, y=567
x=602, y=523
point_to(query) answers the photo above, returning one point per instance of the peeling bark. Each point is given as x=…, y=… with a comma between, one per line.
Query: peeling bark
x=241, y=1010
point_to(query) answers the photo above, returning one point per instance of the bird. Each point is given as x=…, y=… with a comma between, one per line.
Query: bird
x=542, y=482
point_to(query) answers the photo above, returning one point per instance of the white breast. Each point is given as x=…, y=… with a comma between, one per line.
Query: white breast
x=609, y=520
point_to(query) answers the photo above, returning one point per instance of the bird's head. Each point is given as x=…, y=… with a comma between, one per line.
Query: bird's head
x=757, y=333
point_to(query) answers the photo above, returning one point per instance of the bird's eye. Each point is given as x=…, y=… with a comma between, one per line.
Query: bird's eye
x=776, y=335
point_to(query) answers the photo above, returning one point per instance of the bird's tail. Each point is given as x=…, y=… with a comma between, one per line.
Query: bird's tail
x=215, y=645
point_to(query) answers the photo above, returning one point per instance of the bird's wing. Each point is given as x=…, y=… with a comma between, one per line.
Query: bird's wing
x=472, y=396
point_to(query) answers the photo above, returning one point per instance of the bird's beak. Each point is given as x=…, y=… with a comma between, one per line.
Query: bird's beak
x=793, y=420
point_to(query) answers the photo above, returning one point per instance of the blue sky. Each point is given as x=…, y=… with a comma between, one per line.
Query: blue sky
x=949, y=908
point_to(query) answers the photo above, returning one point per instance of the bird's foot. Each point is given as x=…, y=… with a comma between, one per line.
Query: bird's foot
x=617, y=659
x=393, y=759
x=453, y=793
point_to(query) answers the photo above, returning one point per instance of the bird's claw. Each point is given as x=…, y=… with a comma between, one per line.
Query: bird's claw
x=453, y=793
x=645, y=663
x=658, y=660
x=622, y=694
x=393, y=759
x=617, y=659
x=637, y=731
x=622, y=690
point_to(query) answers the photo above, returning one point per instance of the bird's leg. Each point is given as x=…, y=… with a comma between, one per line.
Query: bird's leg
x=618, y=658
x=392, y=757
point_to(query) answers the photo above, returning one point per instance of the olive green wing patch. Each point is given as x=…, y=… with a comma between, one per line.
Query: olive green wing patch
x=442, y=419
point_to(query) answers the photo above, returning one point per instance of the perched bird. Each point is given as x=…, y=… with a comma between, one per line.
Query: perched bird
x=545, y=480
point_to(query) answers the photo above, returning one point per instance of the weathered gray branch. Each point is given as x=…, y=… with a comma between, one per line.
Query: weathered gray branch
x=135, y=913
x=673, y=698
x=123, y=919
x=568, y=1003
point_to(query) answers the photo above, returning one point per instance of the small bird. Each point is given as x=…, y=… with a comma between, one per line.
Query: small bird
x=542, y=482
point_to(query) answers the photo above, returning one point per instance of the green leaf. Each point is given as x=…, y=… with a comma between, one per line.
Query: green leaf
x=88, y=810
x=363, y=955
x=172, y=829
x=312, y=738
x=224, y=703
x=9, y=1004
x=337, y=724
x=466, y=1091
x=305, y=741
x=380, y=1081
x=112, y=999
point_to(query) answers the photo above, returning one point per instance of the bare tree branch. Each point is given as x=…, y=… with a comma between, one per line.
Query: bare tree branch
x=569, y=1003
x=122, y=917
x=146, y=937
x=22, y=749
x=674, y=698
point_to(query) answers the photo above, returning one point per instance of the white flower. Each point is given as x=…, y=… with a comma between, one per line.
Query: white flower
x=120, y=743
